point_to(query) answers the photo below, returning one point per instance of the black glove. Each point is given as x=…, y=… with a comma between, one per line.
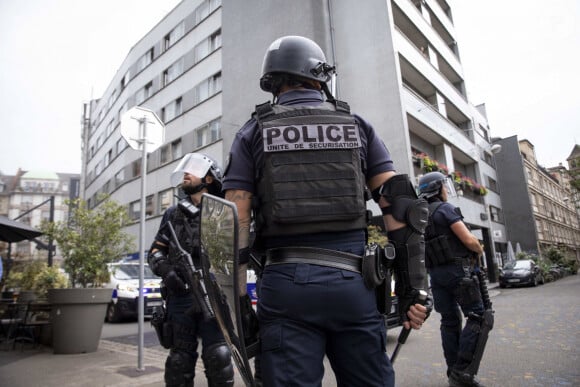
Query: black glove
x=411, y=298
x=249, y=320
x=406, y=300
x=174, y=282
x=429, y=305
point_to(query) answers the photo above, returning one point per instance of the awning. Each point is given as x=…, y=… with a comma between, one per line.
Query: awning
x=14, y=231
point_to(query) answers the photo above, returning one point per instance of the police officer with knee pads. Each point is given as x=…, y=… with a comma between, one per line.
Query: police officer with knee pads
x=184, y=322
x=452, y=255
x=302, y=166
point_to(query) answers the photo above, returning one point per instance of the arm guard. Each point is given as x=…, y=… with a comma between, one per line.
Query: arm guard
x=409, y=241
x=158, y=262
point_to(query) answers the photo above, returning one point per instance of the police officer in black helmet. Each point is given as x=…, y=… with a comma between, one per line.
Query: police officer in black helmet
x=450, y=247
x=195, y=175
x=302, y=166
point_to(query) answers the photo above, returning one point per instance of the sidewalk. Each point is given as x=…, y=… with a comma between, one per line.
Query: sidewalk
x=113, y=365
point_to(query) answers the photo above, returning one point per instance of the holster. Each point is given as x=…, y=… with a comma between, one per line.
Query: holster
x=373, y=269
x=377, y=262
x=163, y=328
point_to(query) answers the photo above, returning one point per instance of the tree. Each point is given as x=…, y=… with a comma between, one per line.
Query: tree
x=90, y=239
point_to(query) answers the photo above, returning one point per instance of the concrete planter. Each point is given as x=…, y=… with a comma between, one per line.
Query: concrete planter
x=77, y=318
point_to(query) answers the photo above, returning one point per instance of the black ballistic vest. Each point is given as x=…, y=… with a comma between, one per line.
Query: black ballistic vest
x=442, y=240
x=310, y=179
x=187, y=231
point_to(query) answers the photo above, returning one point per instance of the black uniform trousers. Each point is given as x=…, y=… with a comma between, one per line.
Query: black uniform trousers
x=309, y=311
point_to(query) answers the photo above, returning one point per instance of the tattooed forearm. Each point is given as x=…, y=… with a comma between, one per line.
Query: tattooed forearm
x=243, y=201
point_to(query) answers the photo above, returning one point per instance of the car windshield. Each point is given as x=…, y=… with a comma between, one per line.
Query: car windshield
x=131, y=271
x=517, y=265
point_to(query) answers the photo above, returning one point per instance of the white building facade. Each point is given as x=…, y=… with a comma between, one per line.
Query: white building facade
x=198, y=69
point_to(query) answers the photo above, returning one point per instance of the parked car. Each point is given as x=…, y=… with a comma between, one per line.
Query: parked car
x=125, y=284
x=520, y=272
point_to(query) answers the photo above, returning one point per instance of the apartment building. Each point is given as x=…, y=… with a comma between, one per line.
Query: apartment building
x=31, y=197
x=398, y=66
x=574, y=171
x=538, y=203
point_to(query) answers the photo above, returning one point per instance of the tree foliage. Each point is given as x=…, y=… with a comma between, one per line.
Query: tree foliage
x=90, y=239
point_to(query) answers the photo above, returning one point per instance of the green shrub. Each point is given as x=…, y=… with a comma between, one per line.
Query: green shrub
x=36, y=276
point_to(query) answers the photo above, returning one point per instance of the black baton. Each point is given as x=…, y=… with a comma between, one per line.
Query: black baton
x=421, y=299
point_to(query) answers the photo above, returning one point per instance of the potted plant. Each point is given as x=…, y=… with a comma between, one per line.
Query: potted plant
x=89, y=240
x=33, y=279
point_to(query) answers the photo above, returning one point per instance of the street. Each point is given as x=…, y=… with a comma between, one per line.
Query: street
x=535, y=341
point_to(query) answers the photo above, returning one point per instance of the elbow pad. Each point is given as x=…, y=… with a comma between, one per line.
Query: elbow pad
x=405, y=206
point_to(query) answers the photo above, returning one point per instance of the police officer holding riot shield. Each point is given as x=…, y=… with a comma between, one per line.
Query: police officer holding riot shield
x=183, y=323
x=452, y=257
x=302, y=166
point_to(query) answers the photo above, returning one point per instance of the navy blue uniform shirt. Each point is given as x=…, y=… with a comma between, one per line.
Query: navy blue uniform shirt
x=245, y=156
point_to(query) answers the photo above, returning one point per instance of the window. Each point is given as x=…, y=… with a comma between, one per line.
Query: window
x=125, y=80
x=170, y=152
x=149, y=208
x=119, y=177
x=492, y=184
x=172, y=72
x=208, y=133
x=172, y=110
x=496, y=214
x=208, y=88
x=107, y=158
x=145, y=60
x=207, y=46
x=165, y=154
x=144, y=93
x=165, y=200
x=173, y=36
x=121, y=145
x=136, y=168
x=135, y=210
x=176, y=151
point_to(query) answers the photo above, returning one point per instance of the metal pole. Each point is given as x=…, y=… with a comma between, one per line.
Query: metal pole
x=50, y=241
x=141, y=304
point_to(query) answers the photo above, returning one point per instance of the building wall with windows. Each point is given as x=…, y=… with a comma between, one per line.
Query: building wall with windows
x=398, y=66
x=27, y=198
x=537, y=202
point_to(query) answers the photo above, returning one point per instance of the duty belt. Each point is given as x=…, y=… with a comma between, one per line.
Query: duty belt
x=314, y=256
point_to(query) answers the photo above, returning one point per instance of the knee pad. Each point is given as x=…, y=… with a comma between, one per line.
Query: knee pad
x=179, y=368
x=217, y=359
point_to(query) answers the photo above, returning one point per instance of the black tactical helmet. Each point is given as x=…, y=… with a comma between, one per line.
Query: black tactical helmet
x=294, y=55
x=430, y=184
x=200, y=165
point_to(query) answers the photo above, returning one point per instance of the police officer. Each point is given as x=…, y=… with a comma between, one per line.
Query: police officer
x=450, y=248
x=195, y=174
x=302, y=165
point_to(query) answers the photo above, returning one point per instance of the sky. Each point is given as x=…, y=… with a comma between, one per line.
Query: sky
x=56, y=55
x=520, y=58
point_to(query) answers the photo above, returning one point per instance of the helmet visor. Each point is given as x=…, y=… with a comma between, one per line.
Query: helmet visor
x=193, y=163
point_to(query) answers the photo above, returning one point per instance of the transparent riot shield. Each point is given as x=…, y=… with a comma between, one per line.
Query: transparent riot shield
x=220, y=265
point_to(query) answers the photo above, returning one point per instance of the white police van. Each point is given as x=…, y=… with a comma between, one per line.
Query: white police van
x=125, y=284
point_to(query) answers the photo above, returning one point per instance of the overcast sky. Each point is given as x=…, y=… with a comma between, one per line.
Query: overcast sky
x=521, y=58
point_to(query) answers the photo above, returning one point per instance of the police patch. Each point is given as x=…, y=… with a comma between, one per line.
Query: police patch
x=311, y=137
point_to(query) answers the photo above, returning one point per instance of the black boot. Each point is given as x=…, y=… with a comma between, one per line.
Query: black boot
x=463, y=379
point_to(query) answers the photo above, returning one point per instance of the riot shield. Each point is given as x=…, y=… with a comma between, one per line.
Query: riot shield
x=220, y=265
